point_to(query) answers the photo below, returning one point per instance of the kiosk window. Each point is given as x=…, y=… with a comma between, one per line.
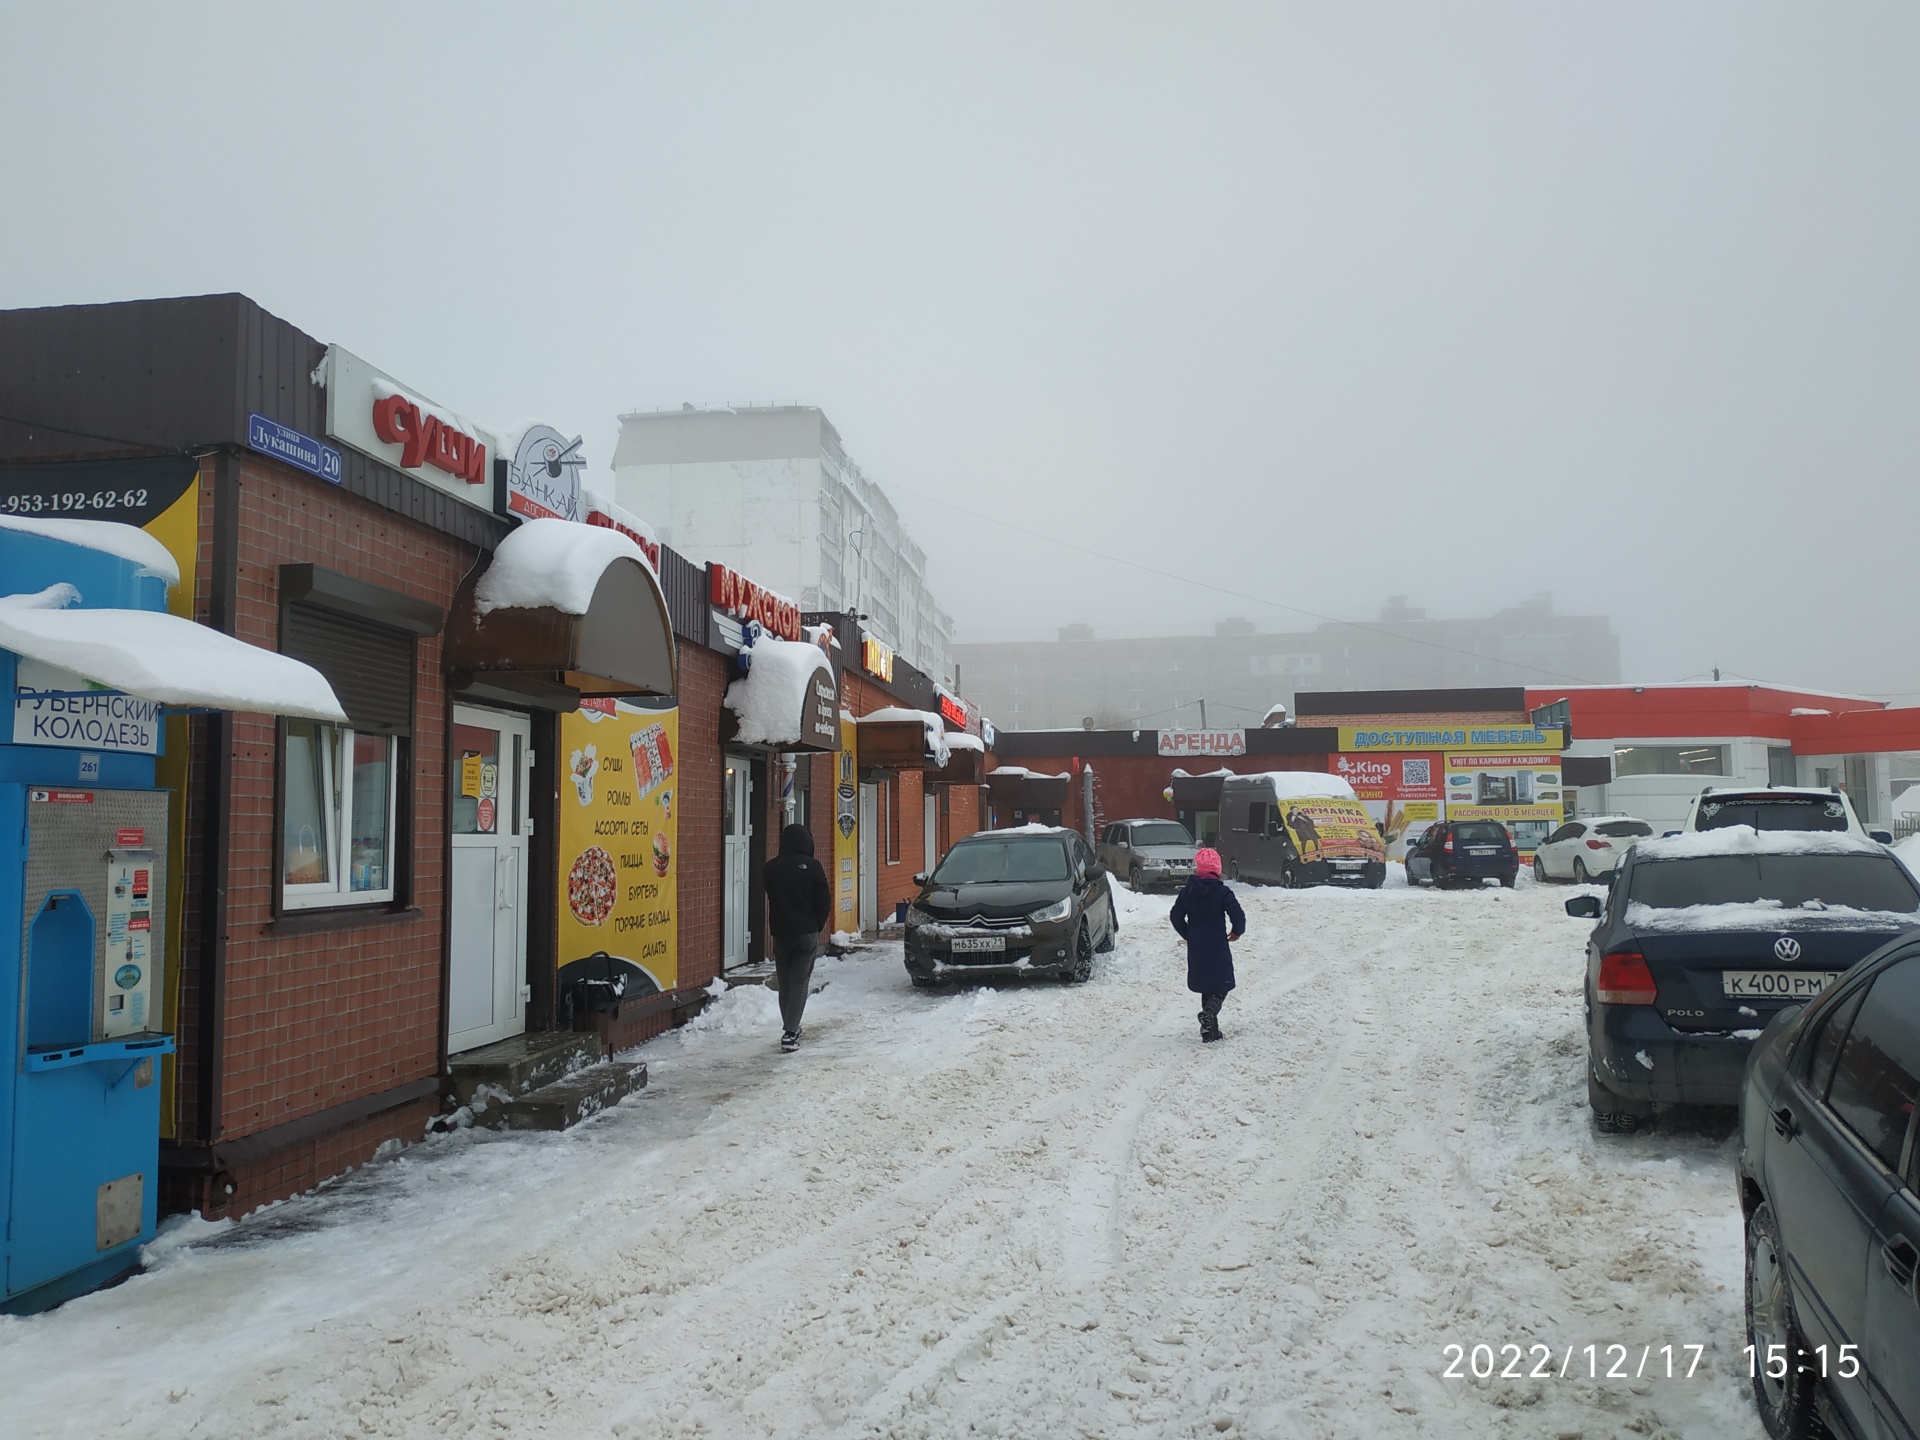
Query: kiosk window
x=342, y=786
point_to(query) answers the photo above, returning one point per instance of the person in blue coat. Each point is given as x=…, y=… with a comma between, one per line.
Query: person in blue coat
x=1209, y=919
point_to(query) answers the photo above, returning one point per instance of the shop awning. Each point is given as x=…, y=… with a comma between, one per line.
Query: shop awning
x=162, y=657
x=900, y=739
x=1018, y=789
x=787, y=700
x=966, y=762
x=563, y=610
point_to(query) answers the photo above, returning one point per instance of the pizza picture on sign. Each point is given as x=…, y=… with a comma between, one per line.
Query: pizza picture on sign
x=592, y=886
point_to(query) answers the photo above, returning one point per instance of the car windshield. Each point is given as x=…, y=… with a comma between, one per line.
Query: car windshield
x=1861, y=882
x=1623, y=829
x=1166, y=832
x=1480, y=833
x=1772, y=812
x=982, y=862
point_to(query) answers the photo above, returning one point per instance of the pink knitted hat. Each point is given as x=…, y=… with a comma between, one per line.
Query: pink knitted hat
x=1206, y=864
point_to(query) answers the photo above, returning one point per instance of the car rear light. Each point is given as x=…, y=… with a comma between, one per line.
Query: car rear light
x=1599, y=845
x=1448, y=847
x=1625, y=979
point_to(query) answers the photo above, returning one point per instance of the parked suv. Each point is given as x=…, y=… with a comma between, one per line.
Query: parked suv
x=1028, y=901
x=1148, y=852
x=1704, y=938
x=1830, y=1186
x=1464, y=852
x=1588, y=847
x=1779, y=807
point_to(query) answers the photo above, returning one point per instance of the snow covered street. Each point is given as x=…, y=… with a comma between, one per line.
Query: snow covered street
x=1037, y=1211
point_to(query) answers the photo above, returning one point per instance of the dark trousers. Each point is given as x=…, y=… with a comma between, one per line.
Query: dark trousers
x=1210, y=1003
x=793, y=963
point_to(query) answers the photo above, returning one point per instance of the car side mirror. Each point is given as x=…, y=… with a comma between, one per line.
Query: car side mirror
x=1885, y=837
x=922, y=878
x=1584, y=907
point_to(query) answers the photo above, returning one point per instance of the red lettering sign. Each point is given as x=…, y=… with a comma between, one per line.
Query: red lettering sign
x=952, y=711
x=739, y=596
x=648, y=548
x=130, y=839
x=425, y=439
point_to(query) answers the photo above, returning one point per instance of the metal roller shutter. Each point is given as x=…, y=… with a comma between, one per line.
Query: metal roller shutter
x=369, y=666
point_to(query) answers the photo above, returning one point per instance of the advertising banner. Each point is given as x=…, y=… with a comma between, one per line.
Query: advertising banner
x=1330, y=828
x=846, y=831
x=1367, y=739
x=1401, y=792
x=618, y=833
x=1521, y=791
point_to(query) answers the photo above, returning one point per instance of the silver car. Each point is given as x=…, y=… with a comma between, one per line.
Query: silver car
x=1148, y=853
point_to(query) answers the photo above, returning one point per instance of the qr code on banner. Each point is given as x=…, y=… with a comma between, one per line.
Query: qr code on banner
x=1416, y=772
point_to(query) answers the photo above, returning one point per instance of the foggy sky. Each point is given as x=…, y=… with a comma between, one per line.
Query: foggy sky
x=1319, y=304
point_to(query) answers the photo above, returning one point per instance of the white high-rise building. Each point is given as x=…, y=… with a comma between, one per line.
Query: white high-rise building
x=768, y=492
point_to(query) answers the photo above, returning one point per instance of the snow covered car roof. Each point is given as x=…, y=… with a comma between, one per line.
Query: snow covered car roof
x=163, y=657
x=1745, y=840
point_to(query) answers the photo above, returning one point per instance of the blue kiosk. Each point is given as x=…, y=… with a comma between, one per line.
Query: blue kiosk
x=89, y=663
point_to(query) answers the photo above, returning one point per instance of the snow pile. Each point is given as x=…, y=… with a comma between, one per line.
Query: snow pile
x=1907, y=802
x=775, y=694
x=162, y=657
x=739, y=1010
x=1305, y=785
x=552, y=564
x=110, y=537
x=1769, y=915
x=1745, y=840
x=964, y=741
x=936, y=728
x=1020, y=772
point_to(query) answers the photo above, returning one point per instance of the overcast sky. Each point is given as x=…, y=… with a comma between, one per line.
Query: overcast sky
x=1317, y=304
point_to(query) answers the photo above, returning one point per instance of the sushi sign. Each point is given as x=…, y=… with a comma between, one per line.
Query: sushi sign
x=369, y=411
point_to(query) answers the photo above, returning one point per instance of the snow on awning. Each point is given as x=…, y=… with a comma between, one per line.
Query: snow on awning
x=110, y=537
x=888, y=735
x=157, y=656
x=563, y=610
x=787, y=699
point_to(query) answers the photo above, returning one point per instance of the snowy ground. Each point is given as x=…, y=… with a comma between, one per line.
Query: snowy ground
x=1039, y=1211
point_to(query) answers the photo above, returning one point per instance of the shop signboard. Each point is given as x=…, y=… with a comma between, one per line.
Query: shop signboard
x=617, y=853
x=369, y=411
x=876, y=659
x=1203, y=743
x=741, y=598
x=56, y=707
x=846, y=831
x=1401, y=792
x=543, y=475
x=1489, y=739
x=289, y=446
x=1521, y=790
x=820, y=717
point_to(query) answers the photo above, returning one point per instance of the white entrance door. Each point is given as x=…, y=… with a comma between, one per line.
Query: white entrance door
x=489, y=767
x=736, y=831
x=869, y=863
x=930, y=845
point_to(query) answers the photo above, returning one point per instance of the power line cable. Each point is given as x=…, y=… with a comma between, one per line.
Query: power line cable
x=1238, y=594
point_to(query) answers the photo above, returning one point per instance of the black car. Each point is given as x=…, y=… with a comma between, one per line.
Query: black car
x=1830, y=1186
x=1704, y=937
x=1031, y=901
x=1464, y=852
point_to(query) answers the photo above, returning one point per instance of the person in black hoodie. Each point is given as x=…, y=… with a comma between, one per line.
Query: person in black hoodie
x=1208, y=917
x=799, y=904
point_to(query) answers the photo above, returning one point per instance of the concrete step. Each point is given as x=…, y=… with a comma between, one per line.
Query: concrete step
x=518, y=1066
x=565, y=1103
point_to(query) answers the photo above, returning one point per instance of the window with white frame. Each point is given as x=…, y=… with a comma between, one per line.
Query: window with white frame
x=338, y=813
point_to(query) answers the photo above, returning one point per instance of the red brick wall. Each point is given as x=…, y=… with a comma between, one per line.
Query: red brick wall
x=703, y=683
x=312, y=1020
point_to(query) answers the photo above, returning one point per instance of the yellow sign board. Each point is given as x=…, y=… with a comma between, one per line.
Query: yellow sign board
x=618, y=833
x=846, y=832
x=1365, y=739
x=470, y=774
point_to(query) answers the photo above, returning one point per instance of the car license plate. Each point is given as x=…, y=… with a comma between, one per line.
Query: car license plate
x=972, y=944
x=1775, y=984
x=1348, y=864
x=1480, y=850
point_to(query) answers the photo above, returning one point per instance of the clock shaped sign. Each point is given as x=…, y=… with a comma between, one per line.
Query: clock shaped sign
x=543, y=475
